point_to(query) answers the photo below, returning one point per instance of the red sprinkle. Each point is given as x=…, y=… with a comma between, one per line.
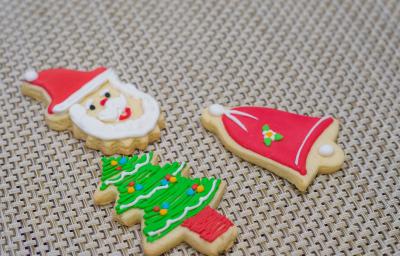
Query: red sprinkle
x=131, y=184
x=194, y=186
x=156, y=208
x=118, y=168
x=167, y=177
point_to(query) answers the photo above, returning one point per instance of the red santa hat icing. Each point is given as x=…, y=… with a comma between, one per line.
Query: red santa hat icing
x=67, y=87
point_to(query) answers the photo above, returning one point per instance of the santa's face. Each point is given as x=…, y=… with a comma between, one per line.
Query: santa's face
x=116, y=111
x=110, y=105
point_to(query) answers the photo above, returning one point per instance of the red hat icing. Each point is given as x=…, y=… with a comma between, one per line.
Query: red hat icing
x=67, y=87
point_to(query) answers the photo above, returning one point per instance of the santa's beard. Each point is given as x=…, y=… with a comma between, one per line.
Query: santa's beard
x=121, y=129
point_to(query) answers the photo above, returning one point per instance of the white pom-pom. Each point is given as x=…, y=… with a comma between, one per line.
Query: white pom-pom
x=216, y=110
x=326, y=150
x=30, y=75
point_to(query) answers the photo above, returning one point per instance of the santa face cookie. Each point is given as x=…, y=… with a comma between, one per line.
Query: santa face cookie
x=293, y=146
x=171, y=207
x=110, y=115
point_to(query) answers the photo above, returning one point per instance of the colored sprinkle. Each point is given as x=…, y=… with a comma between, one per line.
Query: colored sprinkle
x=165, y=205
x=194, y=186
x=114, y=163
x=200, y=189
x=139, y=187
x=123, y=160
x=190, y=192
x=119, y=168
x=131, y=190
x=156, y=208
x=172, y=179
x=131, y=184
x=164, y=182
x=167, y=177
x=163, y=211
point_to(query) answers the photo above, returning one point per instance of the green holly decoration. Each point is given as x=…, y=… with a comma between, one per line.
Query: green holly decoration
x=270, y=135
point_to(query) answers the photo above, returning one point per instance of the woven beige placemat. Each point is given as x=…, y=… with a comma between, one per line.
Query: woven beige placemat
x=313, y=57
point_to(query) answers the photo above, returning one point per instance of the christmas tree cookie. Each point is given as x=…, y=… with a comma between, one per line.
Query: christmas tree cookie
x=109, y=115
x=293, y=146
x=171, y=207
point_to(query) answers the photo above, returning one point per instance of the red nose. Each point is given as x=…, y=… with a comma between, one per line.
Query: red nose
x=103, y=101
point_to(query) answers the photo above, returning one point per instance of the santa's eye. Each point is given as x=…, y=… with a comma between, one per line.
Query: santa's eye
x=105, y=93
x=89, y=105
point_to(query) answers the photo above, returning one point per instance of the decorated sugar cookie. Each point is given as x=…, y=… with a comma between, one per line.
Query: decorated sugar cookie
x=110, y=115
x=171, y=207
x=293, y=146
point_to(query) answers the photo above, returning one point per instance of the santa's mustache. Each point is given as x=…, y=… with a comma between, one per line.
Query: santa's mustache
x=113, y=108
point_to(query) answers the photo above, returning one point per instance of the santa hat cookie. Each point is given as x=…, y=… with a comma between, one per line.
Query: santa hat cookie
x=293, y=146
x=97, y=107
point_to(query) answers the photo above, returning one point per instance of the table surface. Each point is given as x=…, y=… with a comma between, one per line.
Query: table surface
x=312, y=57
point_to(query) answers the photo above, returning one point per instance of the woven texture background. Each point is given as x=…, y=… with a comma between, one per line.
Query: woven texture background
x=314, y=57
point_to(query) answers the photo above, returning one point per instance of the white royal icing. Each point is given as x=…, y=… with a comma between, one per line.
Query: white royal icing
x=123, y=174
x=113, y=109
x=216, y=110
x=219, y=110
x=187, y=209
x=30, y=75
x=326, y=150
x=130, y=128
x=151, y=193
x=144, y=196
x=179, y=169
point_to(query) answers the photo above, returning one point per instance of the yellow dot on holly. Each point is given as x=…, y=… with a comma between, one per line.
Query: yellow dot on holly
x=200, y=189
x=131, y=190
x=269, y=134
x=114, y=163
x=172, y=179
x=163, y=211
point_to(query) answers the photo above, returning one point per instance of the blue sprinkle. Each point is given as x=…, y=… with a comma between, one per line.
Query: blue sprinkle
x=138, y=186
x=164, y=182
x=165, y=205
x=190, y=192
x=123, y=160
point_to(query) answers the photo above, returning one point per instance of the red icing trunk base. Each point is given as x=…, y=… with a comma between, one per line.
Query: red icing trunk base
x=208, y=223
x=299, y=134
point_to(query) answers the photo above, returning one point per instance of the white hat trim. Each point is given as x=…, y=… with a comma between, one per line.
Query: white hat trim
x=89, y=87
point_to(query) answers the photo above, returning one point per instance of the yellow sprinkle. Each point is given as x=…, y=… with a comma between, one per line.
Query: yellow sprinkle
x=172, y=179
x=114, y=163
x=131, y=190
x=200, y=189
x=163, y=211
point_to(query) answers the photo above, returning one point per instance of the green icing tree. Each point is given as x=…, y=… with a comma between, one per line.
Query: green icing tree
x=166, y=196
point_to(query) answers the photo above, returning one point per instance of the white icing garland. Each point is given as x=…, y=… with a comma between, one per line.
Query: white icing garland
x=187, y=209
x=131, y=128
x=179, y=169
x=151, y=192
x=218, y=110
x=144, y=196
x=123, y=174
